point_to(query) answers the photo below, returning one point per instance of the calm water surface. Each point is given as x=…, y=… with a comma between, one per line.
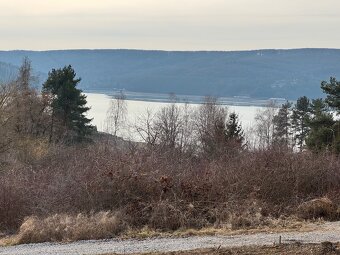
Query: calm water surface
x=100, y=103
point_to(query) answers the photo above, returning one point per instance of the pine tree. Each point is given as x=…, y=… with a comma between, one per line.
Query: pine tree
x=322, y=133
x=300, y=118
x=332, y=89
x=219, y=142
x=68, y=106
x=318, y=106
x=282, y=125
x=233, y=129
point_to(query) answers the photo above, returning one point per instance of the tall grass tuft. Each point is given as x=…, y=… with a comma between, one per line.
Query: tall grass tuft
x=63, y=227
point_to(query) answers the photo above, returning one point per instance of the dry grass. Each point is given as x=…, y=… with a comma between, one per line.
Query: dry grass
x=106, y=225
x=61, y=227
x=294, y=249
x=273, y=226
x=318, y=208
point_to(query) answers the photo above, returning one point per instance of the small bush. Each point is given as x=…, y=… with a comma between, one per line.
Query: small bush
x=240, y=222
x=318, y=208
x=62, y=227
x=165, y=216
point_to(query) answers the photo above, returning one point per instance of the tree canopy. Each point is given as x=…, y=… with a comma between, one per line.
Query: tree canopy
x=68, y=106
x=332, y=89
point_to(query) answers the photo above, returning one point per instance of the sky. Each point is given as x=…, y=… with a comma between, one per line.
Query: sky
x=169, y=24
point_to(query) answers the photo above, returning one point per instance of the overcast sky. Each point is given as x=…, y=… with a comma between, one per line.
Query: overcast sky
x=169, y=24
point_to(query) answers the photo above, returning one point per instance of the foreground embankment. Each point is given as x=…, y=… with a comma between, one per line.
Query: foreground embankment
x=329, y=232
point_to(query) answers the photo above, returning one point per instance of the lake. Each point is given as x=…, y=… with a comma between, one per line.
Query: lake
x=100, y=103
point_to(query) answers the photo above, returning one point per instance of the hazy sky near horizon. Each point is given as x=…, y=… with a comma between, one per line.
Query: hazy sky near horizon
x=169, y=24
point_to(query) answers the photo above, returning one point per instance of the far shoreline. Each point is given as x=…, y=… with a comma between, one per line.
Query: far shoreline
x=191, y=99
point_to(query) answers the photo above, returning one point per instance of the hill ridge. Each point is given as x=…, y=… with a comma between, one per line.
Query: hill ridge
x=262, y=73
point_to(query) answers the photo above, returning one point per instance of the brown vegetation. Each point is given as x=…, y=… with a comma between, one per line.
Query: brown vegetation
x=62, y=227
x=166, y=190
x=294, y=249
x=318, y=208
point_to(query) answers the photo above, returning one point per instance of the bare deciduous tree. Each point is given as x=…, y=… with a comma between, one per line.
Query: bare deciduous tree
x=145, y=128
x=168, y=124
x=6, y=116
x=25, y=77
x=28, y=106
x=264, y=129
x=116, y=115
x=187, y=139
x=210, y=119
x=171, y=127
x=23, y=113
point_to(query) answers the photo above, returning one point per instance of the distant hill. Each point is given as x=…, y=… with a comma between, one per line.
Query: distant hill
x=7, y=72
x=257, y=74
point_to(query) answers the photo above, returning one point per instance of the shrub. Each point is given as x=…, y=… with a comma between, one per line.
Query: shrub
x=14, y=205
x=165, y=216
x=318, y=208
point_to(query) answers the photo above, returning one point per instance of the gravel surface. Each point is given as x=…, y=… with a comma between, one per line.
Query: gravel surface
x=328, y=232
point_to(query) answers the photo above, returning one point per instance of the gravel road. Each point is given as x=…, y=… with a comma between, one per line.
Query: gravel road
x=327, y=232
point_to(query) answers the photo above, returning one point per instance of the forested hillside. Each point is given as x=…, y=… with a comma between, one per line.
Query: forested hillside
x=257, y=74
x=7, y=72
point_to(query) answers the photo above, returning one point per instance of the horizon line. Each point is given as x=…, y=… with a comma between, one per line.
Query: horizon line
x=162, y=50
